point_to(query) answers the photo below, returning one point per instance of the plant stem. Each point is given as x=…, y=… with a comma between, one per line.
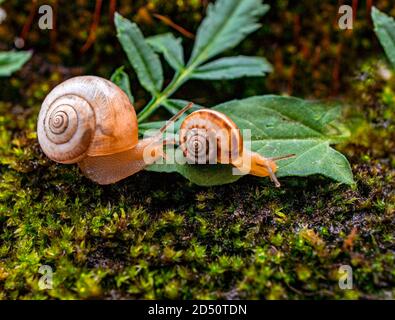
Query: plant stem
x=156, y=101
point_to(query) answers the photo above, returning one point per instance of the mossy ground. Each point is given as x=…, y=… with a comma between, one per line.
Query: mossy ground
x=158, y=236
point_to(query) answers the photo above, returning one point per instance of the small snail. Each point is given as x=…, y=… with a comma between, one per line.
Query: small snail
x=90, y=121
x=209, y=136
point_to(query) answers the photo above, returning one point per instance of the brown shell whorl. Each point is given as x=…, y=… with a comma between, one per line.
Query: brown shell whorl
x=208, y=136
x=86, y=116
x=65, y=128
x=199, y=146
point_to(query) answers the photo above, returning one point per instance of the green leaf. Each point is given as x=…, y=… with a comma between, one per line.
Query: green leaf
x=12, y=61
x=121, y=79
x=279, y=126
x=384, y=26
x=313, y=158
x=202, y=175
x=278, y=117
x=233, y=67
x=170, y=47
x=226, y=24
x=143, y=59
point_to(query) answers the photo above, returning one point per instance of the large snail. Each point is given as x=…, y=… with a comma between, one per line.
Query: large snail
x=90, y=121
x=209, y=136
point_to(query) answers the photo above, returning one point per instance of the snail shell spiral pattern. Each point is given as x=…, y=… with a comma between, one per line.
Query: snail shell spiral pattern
x=200, y=146
x=86, y=116
x=208, y=136
x=68, y=127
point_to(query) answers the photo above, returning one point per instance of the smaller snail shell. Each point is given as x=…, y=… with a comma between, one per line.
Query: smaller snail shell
x=208, y=136
x=86, y=117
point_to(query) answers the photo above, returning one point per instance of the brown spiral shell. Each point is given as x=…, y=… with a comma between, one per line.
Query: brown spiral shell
x=86, y=117
x=209, y=136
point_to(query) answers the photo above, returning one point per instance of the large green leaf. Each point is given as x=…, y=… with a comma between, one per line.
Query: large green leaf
x=170, y=47
x=384, y=26
x=279, y=126
x=226, y=24
x=12, y=61
x=121, y=79
x=233, y=67
x=143, y=59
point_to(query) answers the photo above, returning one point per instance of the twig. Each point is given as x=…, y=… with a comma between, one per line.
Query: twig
x=113, y=8
x=175, y=26
x=369, y=5
x=28, y=24
x=354, y=9
x=53, y=34
x=92, y=33
x=336, y=70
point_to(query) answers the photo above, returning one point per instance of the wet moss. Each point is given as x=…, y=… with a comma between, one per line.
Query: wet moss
x=158, y=236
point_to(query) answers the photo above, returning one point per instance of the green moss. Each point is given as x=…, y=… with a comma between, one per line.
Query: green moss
x=158, y=236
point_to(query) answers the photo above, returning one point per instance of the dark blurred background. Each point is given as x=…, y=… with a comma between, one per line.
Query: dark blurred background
x=312, y=57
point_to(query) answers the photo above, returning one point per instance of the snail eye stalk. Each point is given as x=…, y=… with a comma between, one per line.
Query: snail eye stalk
x=273, y=176
x=176, y=117
x=292, y=155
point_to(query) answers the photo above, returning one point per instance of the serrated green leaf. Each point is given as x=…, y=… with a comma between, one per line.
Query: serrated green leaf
x=121, y=79
x=232, y=68
x=279, y=126
x=143, y=59
x=226, y=24
x=170, y=47
x=12, y=61
x=384, y=26
x=313, y=158
x=272, y=116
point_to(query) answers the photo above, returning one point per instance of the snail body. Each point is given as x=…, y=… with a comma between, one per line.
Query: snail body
x=90, y=121
x=209, y=136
